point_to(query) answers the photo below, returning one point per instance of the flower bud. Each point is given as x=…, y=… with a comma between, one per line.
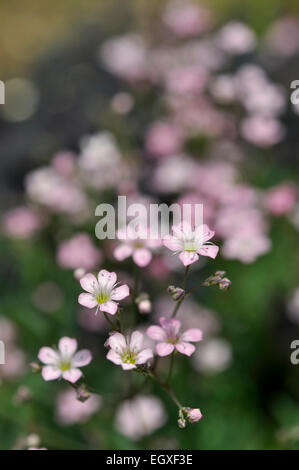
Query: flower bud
x=35, y=367
x=194, y=415
x=83, y=393
x=224, y=284
x=143, y=302
x=79, y=272
x=176, y=293
x=181, y=423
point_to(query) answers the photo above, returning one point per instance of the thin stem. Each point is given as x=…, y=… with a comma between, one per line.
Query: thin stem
x=170, y=368
x=167, y=389
x=109, y=321
x=178, y=304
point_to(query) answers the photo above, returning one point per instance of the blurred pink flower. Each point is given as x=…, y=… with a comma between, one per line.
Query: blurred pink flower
x=213, y=356
x=92, y=322
x=78, y=252
x=281, y=199
x=191, y=243
x=186, y=19
x=186, y=80
x=283, y=37
x=163, y=139
x=102, y=292
x=140, y=416
x=15, y=363
x=70, y=410
x=139, y=248
x=21, y=222
x=236, y=38
x=64, y=362
x=262, y=131
x=170, y=338
x=246, y=246
x=128, y=353
x=64, y=162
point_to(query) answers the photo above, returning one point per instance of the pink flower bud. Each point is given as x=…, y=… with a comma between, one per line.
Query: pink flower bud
x=176, y=292
x=194, y=415
x=224, y=284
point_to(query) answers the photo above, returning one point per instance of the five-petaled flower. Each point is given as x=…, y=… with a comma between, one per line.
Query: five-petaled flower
x=191, y=243
x=103, y=292
x=139, y=247
x=65, y=361
x=170, y=338
x=128, y=352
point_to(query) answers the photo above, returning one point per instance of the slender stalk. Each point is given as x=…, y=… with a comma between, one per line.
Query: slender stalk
x=167, y=389
x=170, y=368
x=109, y=321
x=178, y=304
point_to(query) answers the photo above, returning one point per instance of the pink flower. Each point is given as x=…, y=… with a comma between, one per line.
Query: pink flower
x=70, y=410
x=128, y=353
x=191, y=243
x=281, y=199
x=186, y=19
x=246, y=246
x=163, y=139
x=21, y=222
x=171, y=339
x=78, y=252
x=64, y=362
x=138, y=248
x=102, y=292
x=262, y=131
x=194, y=415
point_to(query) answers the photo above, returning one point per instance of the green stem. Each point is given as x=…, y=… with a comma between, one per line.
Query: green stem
x=178, y=304
x=167, y=389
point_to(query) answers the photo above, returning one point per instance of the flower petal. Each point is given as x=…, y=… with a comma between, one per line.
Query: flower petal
x=193, y=334
x=171, y=326
x=89, y=283
x=67, y=346
x=209, y=250
x=144, y=356
x=120, y=292
x=109, y=307
x=123, y=251
x=87, y=300
x=72, y=375
x=142, y=257
x=204, y=233
x=128, y=366
x=136, y=341
x=173, y=243
x=188, y=258
x=48, y=356
x=107, y=279
x=50, y=373
x=117, y=342
x=82, y=358
x=164, y=349
x=113, y=356
x=185, y=348
x=156, y=332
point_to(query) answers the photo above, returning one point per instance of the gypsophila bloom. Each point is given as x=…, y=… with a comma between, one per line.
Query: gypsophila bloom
x=194, y=415
x=65, y=361
x=128, y=353
x=191, y=243
x=103, y=292
x=170, y=339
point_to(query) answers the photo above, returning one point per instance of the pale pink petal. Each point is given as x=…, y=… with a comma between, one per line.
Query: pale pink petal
x=106, y=278
x=204, y=233
x=136, y=341
x=50, y=373
x=89, y=283
x=87, y=300
x=82, y=358
x=109, y=307
x=72, y=375
x=117, y=342
x=164, y=349
x=173, y=243
x=188, y=258
x=123, y=251
x=113, y=356
x=67, y=346
x=194, y=334
x=144, y=356
x=171, y=326
x=209, y=250
x=185, y=348
x=128, y=366
x=182, y=229
x=120, y=292
x=48, y=356
x=156, y=332
x=142, y=257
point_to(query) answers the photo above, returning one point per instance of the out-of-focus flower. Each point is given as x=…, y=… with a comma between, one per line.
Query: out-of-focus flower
x=174, y=174
x=283, y=37
x=8, y=330
x=64, y=362
x=140, y=416
x=21, y=222
x=143, y=302
x=122, y=103
x=79, y=272
x=78, y=252
x=128, y=353
x=262, y=131
x=191, y=243
x=293, y=306
x=236, y=38
x=139, y=248
x=162, y=139
x=92, y=322
x=64, y=162
x=70, y=410
x=127, y=57
x=194, y=415
x=213, y=356
x=102, y=292
x=170, y=338
x=186, y=19
x=281, y=199
x=186, y=80
x=15, y=363
x=246, y=246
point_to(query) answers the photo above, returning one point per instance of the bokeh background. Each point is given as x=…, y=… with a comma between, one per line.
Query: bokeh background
x=197, y=110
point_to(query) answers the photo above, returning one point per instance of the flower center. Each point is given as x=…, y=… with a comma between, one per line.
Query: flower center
x=189, y=246
x=129, y=357
x=102, y=297
x=65, y=365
